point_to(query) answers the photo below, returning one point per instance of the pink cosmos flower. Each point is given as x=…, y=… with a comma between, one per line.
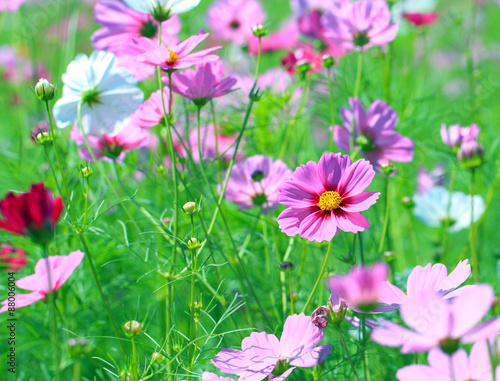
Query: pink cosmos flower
x=360, y=25
x=150, y=113
x=429, y=179
x=61, y=267
x=179, y=56
x=431, y=278
x=233, y=20
x=476, y=366
x=121, y=24
x=303, y=55
x=261, y=353
x=420, y=19
x=112, y=147
x=11, y=5
x=207, y=376
x=202, y=84
x=12, y=259
x=435, y=323
x=255, y=182
x=455, y=135
x=374, y=133
x=361, y=288
x=326, y=196
x=15, y=68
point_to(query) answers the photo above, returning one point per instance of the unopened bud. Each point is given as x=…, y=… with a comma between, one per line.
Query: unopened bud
x=255, y=95
x=303, y=67
x=44, y=90
x=320, y=316
x=157, y=357
x=161, y=170
x=259, y=30
x=287, y=267
x=388, y=169
x=190, y=208
x=408, y=202
x=349, y=258
x=327, y=61
x=470, y=154
x=390, y=256
x=193, y=243
x=132, y=328
x=77, y=347
x=43, y=138
x=126, y=376
x=198, y=305
x=86, y=172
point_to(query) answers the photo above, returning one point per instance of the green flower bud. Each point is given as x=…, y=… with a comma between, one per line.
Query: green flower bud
x=191, y=208
x=287, y=267
x=132, y=328
x=157, y=358
x=259, y=30
x=327, y=61
x=86, y=172
x=43, y=138
x=193, y=243
x=44, y=90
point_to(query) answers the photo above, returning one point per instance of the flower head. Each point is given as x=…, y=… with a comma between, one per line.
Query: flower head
x=455, y=135
x=150, y=113
x=61, y=267
x=107, y=94
x=373, y=134
x=360, y=25
x=12, y=259
x=162, y=9
x=420, y=19
x=256, y=182
x=263, y=354
x=33, y=214
x=326, y=196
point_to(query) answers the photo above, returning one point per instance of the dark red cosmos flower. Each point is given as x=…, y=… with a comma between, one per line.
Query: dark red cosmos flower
x=33, y=214
x=420, y=19
x=12, y=259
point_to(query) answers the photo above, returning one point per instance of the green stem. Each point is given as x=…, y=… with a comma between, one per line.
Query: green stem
x=268, y=271
x=347, y=352
x=320, y=276
x=291, y=293
x=357, y=85
x=135, y=368
x=446, y=224
x=192, y=337
x=386, y=218
x=472, y=238
x=219, y=162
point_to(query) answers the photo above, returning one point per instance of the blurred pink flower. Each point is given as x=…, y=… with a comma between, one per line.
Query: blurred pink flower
x=429, y=179
x=361, y=288
x=203, y=83
x=61, y=267
x=374, y=133
x=150, y=113
x=436, y=323
x=255, y=182
x=476, y=366
x=15, y=68
x=112, y=147
x=420, y=19
x=11, y=5
x=285, y=38
x=233, y=20
x=178, y=56
x=431, y=278
x=326, y=196
x=454, y=135
x=261, y=352
x=360, y=25
x=305, y=54
x=121, y=24
x=12, y=259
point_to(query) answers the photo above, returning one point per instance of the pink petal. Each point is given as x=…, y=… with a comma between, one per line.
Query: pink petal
x=425, y=278
x=330, y=169
x=350, y=222
x=319, y=226
x=359, y=202
x=290, y=219
x=456, y=277
x=23, y=300
x=356, y=178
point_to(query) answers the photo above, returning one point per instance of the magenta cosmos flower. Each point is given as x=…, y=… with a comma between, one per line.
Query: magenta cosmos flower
x=326, y=196
x=427, y=180
x=455, y=135
x=431, y=278
x=150, y=113
x=476, y=366
x=420, y=19
x=233, y=20
x=436, y=323
x=202, y=84
x=61, y=267
x=360, y=25
x=256, y=182
x=121, y=24
x=178, y=56
x=361, y=288
x=262, y=354
x=374, y=133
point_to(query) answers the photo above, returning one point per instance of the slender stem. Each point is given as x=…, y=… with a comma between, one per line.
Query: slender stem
x=386, y=218
x=135, y=367
x=302, y=262
x=257, y=69
x=472, y=237
x=446, y=224
x=347, y=353
x=268, y=271
x=219, y=162
x=192, y=337
x=320, y=277
x=358, y=74
x=361, y=253
x=291, y=293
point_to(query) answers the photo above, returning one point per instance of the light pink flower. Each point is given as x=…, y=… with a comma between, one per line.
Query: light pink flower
x=261, y=352
x=16, y=68
x=361, y=288
x=178, y=56
x=326, y=196
x=11, y=5
x=61, y=267
x=431, y=278
x=12, y=259
x=429, y=179
x=112, y=147
x=455, y=135
x=121, y=24
x=360, y=25
x=233, y=20
x=202, y=84
x=476, y=366
x=374, y=133
x=255, y=182
x=150, y=113
x=436, y=323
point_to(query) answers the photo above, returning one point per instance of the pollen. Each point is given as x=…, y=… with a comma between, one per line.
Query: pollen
x=330, y=201
x=172, y=57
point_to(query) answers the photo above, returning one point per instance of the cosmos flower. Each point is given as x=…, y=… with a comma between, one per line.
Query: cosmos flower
x=433, y=322
x=233, y=20
x=255, y=182
x=420, y=19
x=150, y=113
x=326, y=196
x=416, y=12
x=12, y=259
x=262, y=354
x=429, y=179
x=360, y=25
x=61, y=268
x=374, y=133
x=162, y=9
x=437, y=207
x=33, y=214
x=178, y=56
x=455, y=135
x=107, y=94
x=120, y=24
x=208, y=376
x=433, y=278
x=11, y=5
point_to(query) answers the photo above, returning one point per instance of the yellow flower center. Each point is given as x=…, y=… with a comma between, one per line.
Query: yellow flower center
x=172, y=58
x=330, y=201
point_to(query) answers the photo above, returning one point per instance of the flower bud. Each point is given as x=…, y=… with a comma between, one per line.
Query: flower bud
x=408, y=202
x=255, y=94
x=190, y=208
x=320, y=316
x=303, y=67
x=287, y=267
x=157, y=358
x=44, y=90
x=327, y=61
x=470, y=154
x=126, y=376
x=132, y=328
x=78, y=347
x=86, y=172
x=259, y=30
x=43, y=138
x=388, y=169
x=161, y=170
x=193, y=243
x=390, y=256
x=349, y=258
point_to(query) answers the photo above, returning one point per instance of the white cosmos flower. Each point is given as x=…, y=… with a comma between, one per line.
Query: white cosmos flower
x=432, y=208
x=169, y=6
x=108, y=94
